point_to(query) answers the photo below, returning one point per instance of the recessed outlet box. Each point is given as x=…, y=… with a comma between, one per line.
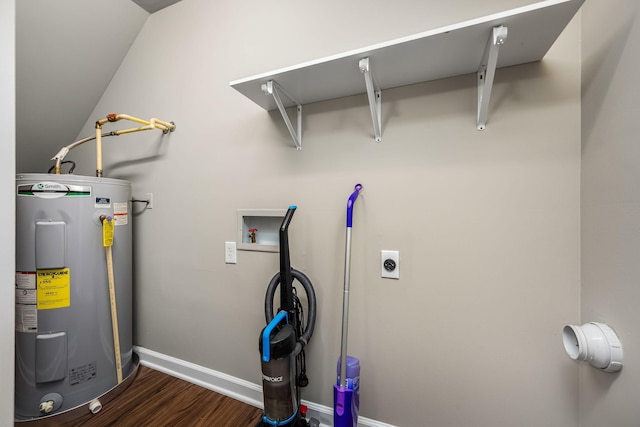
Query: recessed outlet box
x=390, y=264
x=258, y=229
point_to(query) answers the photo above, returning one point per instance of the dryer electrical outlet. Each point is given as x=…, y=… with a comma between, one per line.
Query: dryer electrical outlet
x=390, y=264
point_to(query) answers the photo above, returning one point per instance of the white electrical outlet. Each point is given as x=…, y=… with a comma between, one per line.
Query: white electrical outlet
x=390, y=264
x=230, y=252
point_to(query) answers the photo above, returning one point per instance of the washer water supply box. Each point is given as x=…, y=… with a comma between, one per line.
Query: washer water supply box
x=258, y=229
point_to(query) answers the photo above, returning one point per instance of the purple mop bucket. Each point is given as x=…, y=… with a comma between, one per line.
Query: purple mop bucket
x=347, y=400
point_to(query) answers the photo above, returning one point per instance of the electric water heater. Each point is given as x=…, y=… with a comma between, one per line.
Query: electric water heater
x=69, y=282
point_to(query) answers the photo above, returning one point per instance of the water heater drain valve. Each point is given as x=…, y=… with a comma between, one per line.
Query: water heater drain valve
x=46, y=407
x=49, y=403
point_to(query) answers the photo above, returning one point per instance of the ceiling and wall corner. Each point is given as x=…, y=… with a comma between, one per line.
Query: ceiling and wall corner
x=153, y=6
x=66, y=54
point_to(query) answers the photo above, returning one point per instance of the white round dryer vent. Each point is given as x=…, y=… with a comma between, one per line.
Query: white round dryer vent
x=595, y=343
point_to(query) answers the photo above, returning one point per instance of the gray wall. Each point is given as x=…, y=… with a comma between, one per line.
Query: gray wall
x=7, y=212
x=487, y=223
x=611, y=203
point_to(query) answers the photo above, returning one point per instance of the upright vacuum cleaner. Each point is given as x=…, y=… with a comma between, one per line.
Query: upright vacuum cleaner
x=282, y=343
x=346, y=391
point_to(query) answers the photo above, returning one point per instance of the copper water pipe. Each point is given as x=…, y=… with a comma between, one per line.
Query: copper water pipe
x=152, y=123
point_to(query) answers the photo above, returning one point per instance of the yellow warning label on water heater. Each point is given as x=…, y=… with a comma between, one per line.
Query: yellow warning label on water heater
x=53, y=288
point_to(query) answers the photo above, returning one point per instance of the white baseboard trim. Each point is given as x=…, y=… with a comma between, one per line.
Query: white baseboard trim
x=233, y=387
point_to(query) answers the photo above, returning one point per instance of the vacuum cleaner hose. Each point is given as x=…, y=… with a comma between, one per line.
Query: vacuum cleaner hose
x=311, y=299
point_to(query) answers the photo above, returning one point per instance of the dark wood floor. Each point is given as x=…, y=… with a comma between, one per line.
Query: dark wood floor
x=156, y=399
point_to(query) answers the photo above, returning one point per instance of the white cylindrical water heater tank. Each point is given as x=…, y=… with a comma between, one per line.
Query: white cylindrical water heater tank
x=65, y=347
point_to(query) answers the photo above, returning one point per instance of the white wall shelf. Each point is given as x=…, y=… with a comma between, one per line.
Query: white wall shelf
x=514, y=37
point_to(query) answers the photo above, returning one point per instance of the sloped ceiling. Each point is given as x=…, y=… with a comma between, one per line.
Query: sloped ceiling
x=67, y=52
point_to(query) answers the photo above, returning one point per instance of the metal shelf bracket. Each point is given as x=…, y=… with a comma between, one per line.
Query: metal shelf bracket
x=487, y=71
x=272, y=88
x=375, y=98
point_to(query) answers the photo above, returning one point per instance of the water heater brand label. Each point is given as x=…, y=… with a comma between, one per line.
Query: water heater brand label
x=54, y=289
x=103, y=202
x=53, y=190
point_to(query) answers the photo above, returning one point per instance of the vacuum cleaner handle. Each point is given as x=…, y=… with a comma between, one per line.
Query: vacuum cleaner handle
x=350, y=203
x=287, y=218
x=266, y=333
x=286, y=279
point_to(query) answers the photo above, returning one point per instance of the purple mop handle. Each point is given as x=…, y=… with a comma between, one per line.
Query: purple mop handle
x=350, y=203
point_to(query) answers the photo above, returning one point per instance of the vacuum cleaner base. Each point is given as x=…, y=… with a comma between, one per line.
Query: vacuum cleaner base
x=299, y=421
